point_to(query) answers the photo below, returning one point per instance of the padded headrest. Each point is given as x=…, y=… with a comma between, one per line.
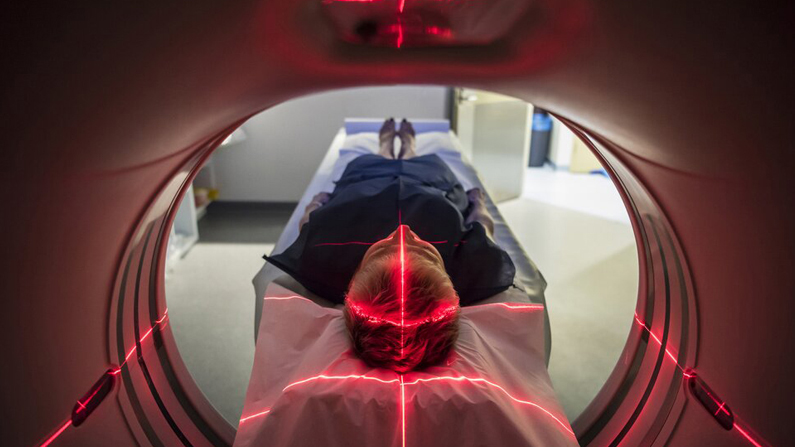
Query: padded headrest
x=493, y=390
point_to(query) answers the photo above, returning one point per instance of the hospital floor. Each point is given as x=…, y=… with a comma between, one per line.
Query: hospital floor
x=573, y=226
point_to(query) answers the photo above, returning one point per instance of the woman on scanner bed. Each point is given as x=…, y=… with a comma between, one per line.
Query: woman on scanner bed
x=402, y=245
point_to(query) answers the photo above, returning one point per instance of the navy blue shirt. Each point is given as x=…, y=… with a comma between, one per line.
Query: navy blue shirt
x=373, y=196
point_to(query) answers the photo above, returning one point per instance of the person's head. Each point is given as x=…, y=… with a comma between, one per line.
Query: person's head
x=401, y=308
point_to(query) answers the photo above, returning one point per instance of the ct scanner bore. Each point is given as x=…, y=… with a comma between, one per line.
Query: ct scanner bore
x=109, y=111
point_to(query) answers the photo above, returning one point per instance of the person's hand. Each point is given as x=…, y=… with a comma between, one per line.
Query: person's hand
x=476, y=195
x=478, y=211
x=318, y=200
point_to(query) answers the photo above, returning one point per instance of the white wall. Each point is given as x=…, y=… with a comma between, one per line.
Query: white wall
x=561, y=145
x=286, y=144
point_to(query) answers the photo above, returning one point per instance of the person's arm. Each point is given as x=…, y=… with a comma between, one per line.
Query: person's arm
x=319, y=200
x=478, y=211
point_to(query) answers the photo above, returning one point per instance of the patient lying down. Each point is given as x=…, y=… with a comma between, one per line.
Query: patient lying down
x=402, y=245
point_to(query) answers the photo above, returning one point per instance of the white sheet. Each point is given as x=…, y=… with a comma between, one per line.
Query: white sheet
x=307, y=388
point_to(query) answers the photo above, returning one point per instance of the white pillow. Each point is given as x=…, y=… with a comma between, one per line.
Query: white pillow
x=364, y=141
x=308, y=388
x=435, y=142
x=427, y=143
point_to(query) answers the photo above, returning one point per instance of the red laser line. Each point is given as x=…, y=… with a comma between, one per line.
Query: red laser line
x=438, y=315
x=146, y=335
x=400, y=28
x=433, y=379
x=402, y=288
x=82, y=405
x=721, y=405
x=262, y=413
x=56, y=434
x=747, y=435
x=517, y=306
x=659, y=342
x=402, y=383
x=291, y=297
x=351, y=376
x=401, y=5
x=165, y=313
x=157, y=323
x=403, y=410
x=492, y=384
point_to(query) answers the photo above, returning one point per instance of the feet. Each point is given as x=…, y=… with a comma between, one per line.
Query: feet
x=386, y=139
x=407, y=140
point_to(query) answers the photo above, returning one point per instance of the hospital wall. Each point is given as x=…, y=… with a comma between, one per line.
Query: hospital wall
x=284, y=145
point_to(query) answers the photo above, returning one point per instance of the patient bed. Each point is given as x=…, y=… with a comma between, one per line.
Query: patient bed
x=308, y=388
x=359, y=136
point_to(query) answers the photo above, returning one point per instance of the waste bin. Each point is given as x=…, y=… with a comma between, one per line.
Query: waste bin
x=539, y=137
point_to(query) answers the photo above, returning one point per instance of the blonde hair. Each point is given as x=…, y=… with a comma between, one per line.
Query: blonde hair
x=419, y=331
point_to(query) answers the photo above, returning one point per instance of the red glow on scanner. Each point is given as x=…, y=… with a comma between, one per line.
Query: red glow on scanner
x=49, y=440
x=687, y=374
x=400, y=34
x=438, y=31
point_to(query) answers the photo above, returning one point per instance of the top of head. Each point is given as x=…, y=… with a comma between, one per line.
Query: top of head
x=401, y=308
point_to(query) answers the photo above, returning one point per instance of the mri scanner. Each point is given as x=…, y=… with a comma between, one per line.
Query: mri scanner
x=109, y=111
